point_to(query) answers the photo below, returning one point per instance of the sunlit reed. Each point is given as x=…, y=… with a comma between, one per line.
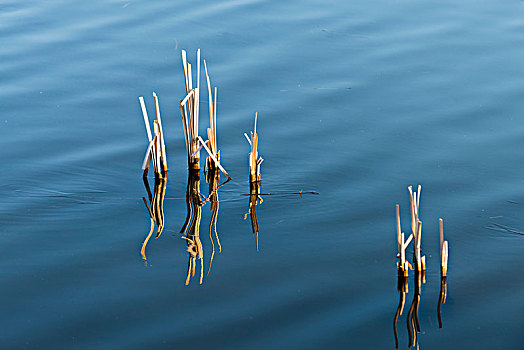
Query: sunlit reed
x=416, y=228
x=443, y=250
x=156, y=150
x=254, y=160
x=403, y=266
x=189, y=111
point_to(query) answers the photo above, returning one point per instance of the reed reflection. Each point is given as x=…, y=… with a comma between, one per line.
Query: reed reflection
x=442, y=298
x=412, y=317
x=402, y=288
x=213, y=180
x=254, y=198
x=191, y=227
x=155, y=207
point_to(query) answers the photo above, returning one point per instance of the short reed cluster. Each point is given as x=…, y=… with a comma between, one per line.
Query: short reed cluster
x=254, y=160
x=419, y=260
x=156, y=149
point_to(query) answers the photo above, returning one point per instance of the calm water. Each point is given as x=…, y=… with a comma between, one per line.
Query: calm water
x=356, y=100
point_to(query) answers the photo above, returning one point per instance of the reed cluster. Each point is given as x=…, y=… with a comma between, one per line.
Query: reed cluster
x=189, y=111
x=156, y=153
x=254, y=160
x=156, y=149
x=419, y=265
x=419, y=261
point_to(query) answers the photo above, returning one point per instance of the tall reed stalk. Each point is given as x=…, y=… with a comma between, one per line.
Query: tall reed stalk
x=416, y=228
x=189, y=111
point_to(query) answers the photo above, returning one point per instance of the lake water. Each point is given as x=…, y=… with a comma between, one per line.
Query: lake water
x=356, y=100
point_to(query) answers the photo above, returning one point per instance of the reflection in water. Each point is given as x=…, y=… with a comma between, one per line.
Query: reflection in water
x=155, y=209
x=213, y=179
x=402, y=288
x=412, y=318
x=254, y=197
x=442, y=298
x=191, y=227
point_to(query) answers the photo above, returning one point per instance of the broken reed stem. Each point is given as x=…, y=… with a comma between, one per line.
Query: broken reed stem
x=162, y=143
x=211, y=132
x=443, y=250
x=211, y=147
x=254, y=160
x=156, y=150
x=189, y=111
x=416, y=228
x=402, y=265
x=216, y=161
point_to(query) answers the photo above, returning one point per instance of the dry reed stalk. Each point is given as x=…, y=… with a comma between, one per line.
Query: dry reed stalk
x=210, y=146
x=156, y=150
x=189, y=111
x=443, y=250
x=254, y=160
x=215, y=160
x=402, y=265
x=416, y=227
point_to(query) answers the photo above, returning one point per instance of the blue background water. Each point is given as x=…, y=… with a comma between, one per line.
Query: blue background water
x=356, y=100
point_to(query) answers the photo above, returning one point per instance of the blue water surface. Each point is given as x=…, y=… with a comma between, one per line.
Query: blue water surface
x=356, y=100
